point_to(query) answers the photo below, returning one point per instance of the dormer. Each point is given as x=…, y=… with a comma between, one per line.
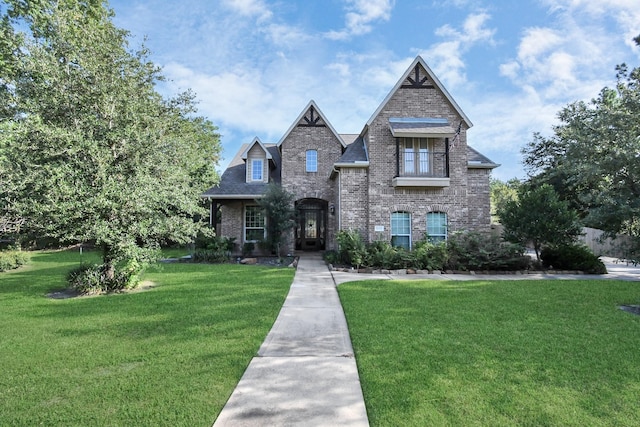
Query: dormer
x=258, y=162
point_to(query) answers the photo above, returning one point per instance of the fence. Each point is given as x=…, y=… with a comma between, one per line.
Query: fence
x=602, y=246
x=595, y=240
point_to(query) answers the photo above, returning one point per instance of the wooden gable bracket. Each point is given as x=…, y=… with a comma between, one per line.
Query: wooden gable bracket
x=417, y=82
x=311, y=119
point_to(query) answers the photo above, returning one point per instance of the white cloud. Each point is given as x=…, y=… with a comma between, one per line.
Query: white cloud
x=249, y=8
x=447, y=56
x=566, y=59
x=360, y=17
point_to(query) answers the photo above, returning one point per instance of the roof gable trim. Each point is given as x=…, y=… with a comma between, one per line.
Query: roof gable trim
x=312, y=104
x=434, y=79
x=255, y=141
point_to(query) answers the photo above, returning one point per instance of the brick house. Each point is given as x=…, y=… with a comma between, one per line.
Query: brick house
x=409, y=173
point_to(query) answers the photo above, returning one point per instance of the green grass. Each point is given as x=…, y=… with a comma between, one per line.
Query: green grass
x=504, y=353
x=169, y=356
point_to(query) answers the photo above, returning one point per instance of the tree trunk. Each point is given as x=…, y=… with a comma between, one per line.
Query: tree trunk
x=108, y=260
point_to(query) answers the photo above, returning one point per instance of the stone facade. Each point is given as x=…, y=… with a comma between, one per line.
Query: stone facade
x=360, y=180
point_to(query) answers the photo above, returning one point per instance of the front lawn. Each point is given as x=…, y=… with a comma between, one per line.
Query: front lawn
x=498, y=353
x=168, y=356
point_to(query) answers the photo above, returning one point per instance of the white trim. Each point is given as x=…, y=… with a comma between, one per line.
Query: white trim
x=401, y=235
x=313, y=104
x=436, y=82
x=244, y=225
x=255, y=141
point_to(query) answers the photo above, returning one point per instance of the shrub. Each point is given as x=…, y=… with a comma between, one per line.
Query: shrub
x=214, y=250
x=572, y=257
x=87, y=279
x=12, y=259
x=351, y=247
x=248, y=248
x=90, y=279
x=387, y=256
x=476, y=251
x=332, y=257
x=430, y=256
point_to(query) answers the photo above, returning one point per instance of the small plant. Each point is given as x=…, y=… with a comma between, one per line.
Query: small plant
x=331, y=257
x=248, y=248
x=430, y=256
x=214, y=250
x=352, y=249
x=12, y=259
x=91, y=279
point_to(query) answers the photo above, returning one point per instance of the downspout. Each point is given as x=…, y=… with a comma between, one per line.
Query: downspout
x=339, y=198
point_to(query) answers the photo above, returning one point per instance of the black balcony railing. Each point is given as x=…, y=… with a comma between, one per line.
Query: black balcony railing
x=423, y=164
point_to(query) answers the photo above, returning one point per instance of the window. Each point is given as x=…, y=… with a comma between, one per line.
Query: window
x=437, y=226
x=256, y=170
x=416, y=156
x=401, y=229
x=312, y=161
x=253, y=224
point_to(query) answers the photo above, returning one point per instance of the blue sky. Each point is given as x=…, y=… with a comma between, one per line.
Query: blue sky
x=511, y=65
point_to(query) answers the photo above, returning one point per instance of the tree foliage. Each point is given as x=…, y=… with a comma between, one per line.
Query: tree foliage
x=500, y=193
x=593, y=157
x=540, y=217
x=89, y=150
x=277, y=204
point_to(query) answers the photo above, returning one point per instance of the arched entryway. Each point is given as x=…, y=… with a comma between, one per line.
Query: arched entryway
x=311, y=224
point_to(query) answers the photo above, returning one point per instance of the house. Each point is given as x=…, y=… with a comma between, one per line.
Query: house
x=409, y=173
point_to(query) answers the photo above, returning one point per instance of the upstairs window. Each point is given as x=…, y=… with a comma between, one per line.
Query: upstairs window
x=437, y=227
x=416, y=156
x=401, y=229
x=254, y=229
x=256, y=170
x=312, y=161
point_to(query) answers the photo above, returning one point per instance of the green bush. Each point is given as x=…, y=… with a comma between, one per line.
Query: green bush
x=216, y=250
x=352, y=249
x=90, y=279
x=387, y=256
x=430, y=256
x=572, y=257
x=10, y=260
x=332, y=257
x=463, y=251
x=475, y=251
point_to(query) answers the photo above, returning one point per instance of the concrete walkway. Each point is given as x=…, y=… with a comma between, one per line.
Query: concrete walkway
x=305, y=372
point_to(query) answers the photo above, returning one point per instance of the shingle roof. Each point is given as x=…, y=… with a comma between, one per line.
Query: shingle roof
x=479, y=161
x=233, y=183
x=355, y=153
x=420, y=126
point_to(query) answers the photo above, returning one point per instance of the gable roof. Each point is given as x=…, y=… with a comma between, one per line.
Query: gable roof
x=233, y=183
x=255, y=141
x=436, y=82
x=311, y=104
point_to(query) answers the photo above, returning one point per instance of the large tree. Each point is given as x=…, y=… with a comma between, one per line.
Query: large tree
x=89, y=150
x=593, y=157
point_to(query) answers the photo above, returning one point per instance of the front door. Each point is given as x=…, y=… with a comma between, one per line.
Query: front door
x=311, y=227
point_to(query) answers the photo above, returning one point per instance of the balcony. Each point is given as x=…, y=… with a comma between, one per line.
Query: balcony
x=422, y=169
